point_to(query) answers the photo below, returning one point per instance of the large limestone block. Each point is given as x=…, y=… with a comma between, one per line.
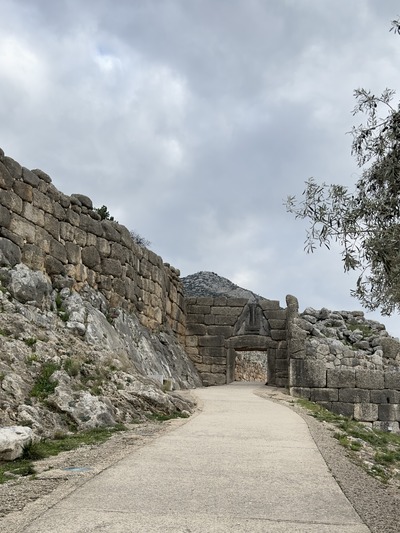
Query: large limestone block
x=390, y=347
x=29, y=286
x=369, y=379
x=13, y=440
x=341, y=378
x=366, y=412
x=392, y=380
x=10, y=253
x=305, y=373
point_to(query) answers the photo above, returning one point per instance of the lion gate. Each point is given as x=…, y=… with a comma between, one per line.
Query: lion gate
x=220, y=327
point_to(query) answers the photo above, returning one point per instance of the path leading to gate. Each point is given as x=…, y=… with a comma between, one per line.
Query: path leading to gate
x=244, y=464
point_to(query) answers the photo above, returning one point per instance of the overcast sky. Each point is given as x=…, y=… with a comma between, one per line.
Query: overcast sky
x=192, y=120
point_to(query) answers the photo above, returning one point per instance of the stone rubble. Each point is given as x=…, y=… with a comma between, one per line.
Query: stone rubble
x=346, y=339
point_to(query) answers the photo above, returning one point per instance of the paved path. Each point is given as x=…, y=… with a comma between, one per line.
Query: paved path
x=244, y=464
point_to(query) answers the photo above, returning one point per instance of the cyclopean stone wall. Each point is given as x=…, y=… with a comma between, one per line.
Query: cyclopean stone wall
x=64, y=237
x=346, y=363
x=219, y=327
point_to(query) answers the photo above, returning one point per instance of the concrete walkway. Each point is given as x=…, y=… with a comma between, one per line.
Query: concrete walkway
x=244, y=464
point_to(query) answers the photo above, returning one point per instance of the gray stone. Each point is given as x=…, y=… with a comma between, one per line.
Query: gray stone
x=13, y=441
x=54, y=266
x=354, y=396
x=301, y=392
x=10, y=253
x=304, y=373
x=29, y=177
x=369, y=379
x=385, y=396
x=389, y=426
x=211, y=341
x=389, y=412
x=390, y=347
x=324, y=395
x=344, y=409
x=392, y=380
x=341, y=378
x=366, y=412
x=14, y=168
x=29, y=286
x=6, y=180
x=111, y=267
x=90, y=256
x=42, y=175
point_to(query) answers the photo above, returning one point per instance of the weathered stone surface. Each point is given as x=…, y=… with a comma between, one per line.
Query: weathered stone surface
x=324, y=395
x=29, y=286
x=110, y=231
x=301, y=392
x=341, y=408
x=33, y=257
x=14, y=168
x=385, y=396
x=390, y=347
x=23, y=190
x=6, y=180
x=58, y=251
x=388, y=412
x=369, y=379
x=354, y=396
x=29, y=177
x=53, y=266
x=90, y=256
x=211, y=340
x=304, y=373
x=13, y=441
x=392, y=380
x=84, y=200
x=13, y=202
x=42, y=175
x=111, y=267
x=341, y=378
x=10, y=253
x=367, y=412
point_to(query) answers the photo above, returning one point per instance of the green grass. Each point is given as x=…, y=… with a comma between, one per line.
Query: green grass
x=30, y=342
x=363, y=328
x=50, y=447
x=19, y=467
x=43, y=386
x=382, y=448
x=72, y=366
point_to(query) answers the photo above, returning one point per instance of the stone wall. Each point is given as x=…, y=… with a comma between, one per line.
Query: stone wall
x=218, y=328
x=346, y=363
x=64, y=237
x=251, y=366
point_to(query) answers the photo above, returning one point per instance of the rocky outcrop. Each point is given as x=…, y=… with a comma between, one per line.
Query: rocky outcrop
x=69, y=360
x=13, y=441
x=346, y=339
x=204, y=284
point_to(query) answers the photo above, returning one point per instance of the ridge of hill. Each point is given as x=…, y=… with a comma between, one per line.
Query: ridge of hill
x=205, y=283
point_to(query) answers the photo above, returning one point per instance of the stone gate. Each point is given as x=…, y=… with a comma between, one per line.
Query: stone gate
x=219, y=327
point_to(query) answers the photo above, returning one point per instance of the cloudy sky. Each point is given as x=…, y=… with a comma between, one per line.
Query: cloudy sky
x=192, y=120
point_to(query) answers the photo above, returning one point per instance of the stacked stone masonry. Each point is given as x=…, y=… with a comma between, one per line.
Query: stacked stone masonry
x=220, y=327
x=347, y=364
x=64, y=237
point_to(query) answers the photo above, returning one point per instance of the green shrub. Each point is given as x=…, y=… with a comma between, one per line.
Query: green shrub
x=44, y=386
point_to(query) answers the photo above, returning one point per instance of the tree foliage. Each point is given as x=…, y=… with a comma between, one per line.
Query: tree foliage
x=365, y=220
x=104, y=213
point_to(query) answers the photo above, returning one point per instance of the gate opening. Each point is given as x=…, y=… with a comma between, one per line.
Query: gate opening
x=251, y=366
